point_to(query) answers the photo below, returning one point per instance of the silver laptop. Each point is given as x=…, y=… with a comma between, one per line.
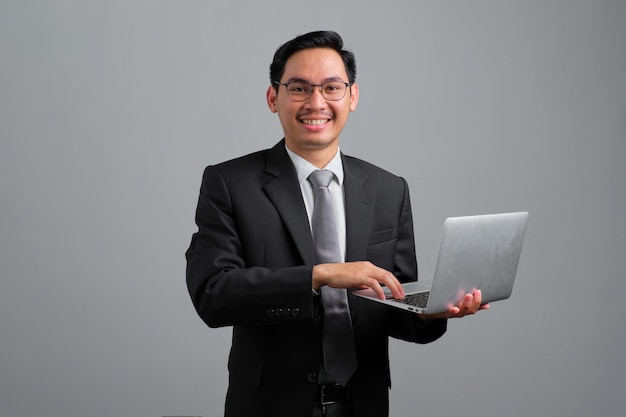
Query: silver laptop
x=476, y=252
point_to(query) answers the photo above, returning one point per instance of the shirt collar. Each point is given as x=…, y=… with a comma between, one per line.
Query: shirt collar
x=304, y=167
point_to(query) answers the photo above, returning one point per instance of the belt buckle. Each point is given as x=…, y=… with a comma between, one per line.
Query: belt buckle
x=323, y=402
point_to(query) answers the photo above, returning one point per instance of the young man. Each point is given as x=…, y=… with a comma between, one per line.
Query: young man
x=254, y=265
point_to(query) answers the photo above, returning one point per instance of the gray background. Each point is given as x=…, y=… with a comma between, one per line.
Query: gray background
x=110, y=110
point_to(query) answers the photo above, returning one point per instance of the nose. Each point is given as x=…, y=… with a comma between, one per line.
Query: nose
x=317, y=100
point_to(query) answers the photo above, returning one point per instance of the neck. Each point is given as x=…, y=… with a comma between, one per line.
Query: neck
x=320, y=157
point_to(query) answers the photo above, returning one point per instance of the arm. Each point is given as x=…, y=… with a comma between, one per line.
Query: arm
x=225, y=290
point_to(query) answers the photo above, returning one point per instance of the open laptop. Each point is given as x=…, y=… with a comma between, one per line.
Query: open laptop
x=476, y=252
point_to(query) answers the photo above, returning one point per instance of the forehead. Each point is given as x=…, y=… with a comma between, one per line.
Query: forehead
x=315, y=65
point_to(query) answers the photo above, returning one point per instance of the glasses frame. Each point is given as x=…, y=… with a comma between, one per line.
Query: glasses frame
x=286, y=85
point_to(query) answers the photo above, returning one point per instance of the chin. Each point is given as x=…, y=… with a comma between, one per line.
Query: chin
x=317, y=143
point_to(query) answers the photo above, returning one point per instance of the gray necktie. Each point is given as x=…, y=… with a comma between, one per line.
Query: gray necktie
x=338, y=341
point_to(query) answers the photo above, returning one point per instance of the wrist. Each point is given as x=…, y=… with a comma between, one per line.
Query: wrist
x=317, y=278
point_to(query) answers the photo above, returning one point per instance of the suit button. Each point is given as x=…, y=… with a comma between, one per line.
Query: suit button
x=312, y=377
x=317, y=321
x=295, y=312
x=279, y=311
x=269, y=312
x=286, y=312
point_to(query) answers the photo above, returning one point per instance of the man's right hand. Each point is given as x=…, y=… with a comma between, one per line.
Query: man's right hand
x=362, y=274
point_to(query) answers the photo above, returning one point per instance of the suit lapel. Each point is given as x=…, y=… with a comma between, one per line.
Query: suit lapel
x=359, y=211
x=284, y=192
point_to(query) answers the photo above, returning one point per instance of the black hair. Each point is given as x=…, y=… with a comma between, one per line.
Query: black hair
x=317, y=39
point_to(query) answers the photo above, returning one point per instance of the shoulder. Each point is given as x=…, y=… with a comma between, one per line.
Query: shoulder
x=258, y=158
x=271, y=161
x=235, y=174
x=365, y=171
x=365, y=166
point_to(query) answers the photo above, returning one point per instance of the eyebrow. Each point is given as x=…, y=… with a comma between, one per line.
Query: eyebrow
x=302, y=80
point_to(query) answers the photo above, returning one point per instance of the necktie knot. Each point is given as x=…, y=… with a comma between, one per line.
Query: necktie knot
x=321, y=177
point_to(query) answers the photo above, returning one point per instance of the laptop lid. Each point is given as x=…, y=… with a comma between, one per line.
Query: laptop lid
x=476, y=252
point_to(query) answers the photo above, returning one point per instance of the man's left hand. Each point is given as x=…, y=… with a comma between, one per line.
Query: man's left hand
x=470, y=304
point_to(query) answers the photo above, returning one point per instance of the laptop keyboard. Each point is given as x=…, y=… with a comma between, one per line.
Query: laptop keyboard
x=418, y=299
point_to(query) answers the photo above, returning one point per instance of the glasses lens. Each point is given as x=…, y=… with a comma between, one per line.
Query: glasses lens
x=300, y=91
x=334, y=90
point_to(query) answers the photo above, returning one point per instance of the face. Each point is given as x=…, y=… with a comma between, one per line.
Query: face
x=312, y=127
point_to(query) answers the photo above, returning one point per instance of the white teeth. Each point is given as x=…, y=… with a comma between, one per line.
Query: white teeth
x=316, y=122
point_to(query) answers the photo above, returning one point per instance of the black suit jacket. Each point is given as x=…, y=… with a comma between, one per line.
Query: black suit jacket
x=249, y=266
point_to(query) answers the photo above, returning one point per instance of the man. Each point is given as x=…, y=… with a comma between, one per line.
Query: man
x=253, y=263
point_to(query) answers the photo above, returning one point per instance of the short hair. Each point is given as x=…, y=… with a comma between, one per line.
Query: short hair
x=317, y=39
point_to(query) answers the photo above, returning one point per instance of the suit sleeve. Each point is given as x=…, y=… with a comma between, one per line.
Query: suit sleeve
x=403, y=324
x=224, y=290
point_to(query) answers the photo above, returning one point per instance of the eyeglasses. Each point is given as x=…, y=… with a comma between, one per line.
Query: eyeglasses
x=301, y=90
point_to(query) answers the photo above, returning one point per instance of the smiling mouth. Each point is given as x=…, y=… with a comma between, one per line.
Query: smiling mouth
x=314, y=122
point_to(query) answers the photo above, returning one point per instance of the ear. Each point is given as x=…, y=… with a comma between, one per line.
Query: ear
x=354, y=96
x=270, y=95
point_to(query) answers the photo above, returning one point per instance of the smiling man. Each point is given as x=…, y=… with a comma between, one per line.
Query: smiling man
x=314, y=106
x=277, y=253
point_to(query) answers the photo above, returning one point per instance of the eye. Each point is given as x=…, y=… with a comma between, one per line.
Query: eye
x=334, y=90
x=299, y=88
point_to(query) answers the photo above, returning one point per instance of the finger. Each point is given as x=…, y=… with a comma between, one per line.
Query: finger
x=454, y=311
x=478, y=297
x=375, y=286
x=389, y=280
x=395, y=285
x=396, y=288
x=466, y=304
x=476, y=302
x=462, y=308
x=471, y=303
